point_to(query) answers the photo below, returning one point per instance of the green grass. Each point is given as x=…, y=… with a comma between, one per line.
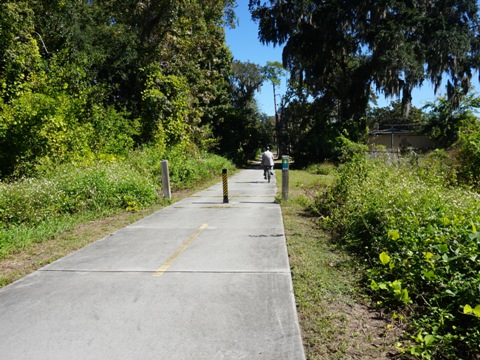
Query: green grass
x=44, y=218
x=326, y=281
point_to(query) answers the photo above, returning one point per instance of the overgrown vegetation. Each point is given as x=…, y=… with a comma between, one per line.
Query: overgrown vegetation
x=94, y=94
x=416, y=230
x=335, y=320
x=36, y=209
x=85, y=80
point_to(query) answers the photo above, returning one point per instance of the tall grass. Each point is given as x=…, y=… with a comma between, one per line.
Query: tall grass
x=35, y=209
x=418, y=236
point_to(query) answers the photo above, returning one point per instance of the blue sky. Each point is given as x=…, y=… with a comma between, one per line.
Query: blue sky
x=244, y=44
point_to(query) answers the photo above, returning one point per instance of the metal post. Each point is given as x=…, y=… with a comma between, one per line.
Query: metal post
x=285, y=177
x=225, y=186
x=167, y=194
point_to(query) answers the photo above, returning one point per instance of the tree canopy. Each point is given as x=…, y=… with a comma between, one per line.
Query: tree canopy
x=338, y=51
x=83, y=78
x=244, y=130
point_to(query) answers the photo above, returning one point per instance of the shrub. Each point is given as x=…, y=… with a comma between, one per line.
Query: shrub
x=321, y=169
x=420, y=241
x=34, y=209
x=439, y=167
x=72, y=189
x=186, y=171
x=42, y=129
x=468, y=152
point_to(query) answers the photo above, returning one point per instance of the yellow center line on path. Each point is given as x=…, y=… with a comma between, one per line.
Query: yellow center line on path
x=162, y=269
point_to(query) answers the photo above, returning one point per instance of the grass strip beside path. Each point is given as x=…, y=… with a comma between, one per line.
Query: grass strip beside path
x=73, y=233
x=335, y=321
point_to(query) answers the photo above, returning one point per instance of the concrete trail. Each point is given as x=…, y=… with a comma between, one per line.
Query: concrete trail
x=199, y=279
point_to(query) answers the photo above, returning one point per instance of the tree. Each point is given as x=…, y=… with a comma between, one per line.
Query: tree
x=123, y=38
x=339, y=49
x=21, y=68
x=444, y=119
x=393, y=114
x=80, y=78
x=246, y=79
x=273, y=71
x=240, y=133
x=309, y=131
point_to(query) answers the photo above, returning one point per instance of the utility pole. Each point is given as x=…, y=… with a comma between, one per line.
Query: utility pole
x=273, y=72
x=277, y=123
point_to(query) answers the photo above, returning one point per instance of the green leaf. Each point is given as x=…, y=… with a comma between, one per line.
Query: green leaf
x=429, y=275
x=415, y=351
x=420, y=337
x=443, y=248
x=384, y=258
x=428, y=255
x=476, y=311
x=404, y=296
x=396, y=285
x=467, y=309
x=450, y=293
x=393, y=234
x=429, y=340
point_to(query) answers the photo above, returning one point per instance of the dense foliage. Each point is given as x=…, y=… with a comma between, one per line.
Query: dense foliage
x=244, y=130
x=308, y=132
x=338, y=52
x=418, y=236
x=445, y=121
x=466, y=153
x=393, y=114
x=85, y=79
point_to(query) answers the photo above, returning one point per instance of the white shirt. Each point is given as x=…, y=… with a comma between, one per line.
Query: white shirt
x=267, y=159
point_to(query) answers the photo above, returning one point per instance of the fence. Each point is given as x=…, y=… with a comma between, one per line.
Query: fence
x=396, y=156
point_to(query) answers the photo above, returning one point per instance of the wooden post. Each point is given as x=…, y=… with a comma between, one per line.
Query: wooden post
x=167, y=194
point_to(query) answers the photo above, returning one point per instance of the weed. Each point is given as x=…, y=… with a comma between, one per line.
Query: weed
x=418, y=237
x=36, y=209
x=326, y=283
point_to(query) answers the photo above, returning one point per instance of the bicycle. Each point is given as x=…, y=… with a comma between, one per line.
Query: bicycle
x=268, y=169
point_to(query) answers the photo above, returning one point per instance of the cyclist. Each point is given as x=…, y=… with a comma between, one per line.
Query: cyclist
x=267, y=162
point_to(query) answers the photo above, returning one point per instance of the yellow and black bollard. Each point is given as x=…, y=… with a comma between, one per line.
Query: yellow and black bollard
x=225, y=186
